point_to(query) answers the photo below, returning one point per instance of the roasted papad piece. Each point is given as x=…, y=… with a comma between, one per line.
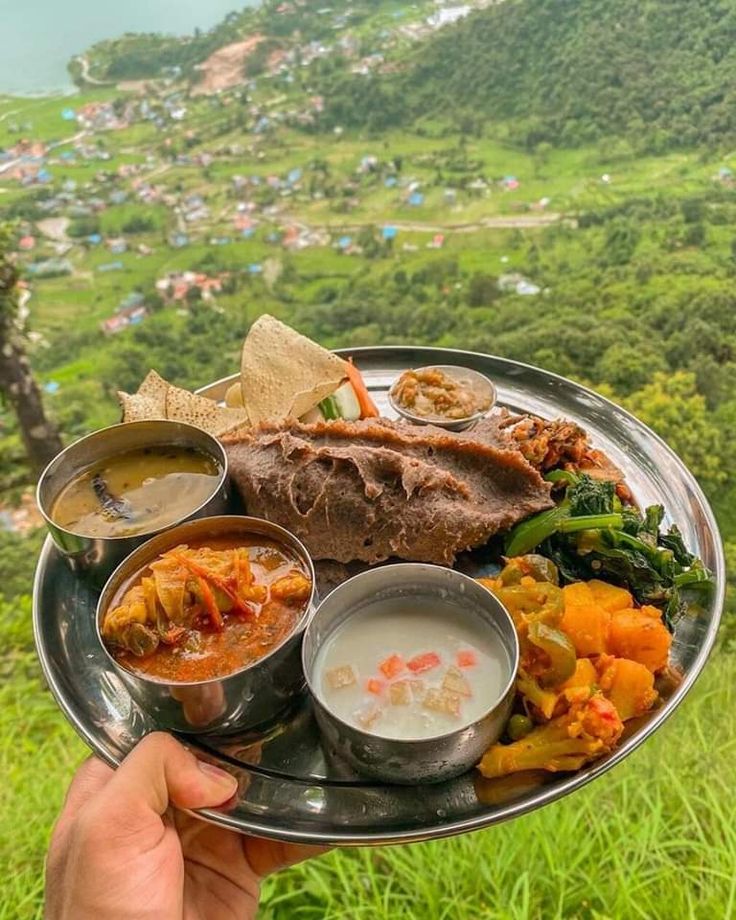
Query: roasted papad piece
x=158, y=399
x=283, y=373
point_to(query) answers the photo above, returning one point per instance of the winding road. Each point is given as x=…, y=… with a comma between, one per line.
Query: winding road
x=93, y=81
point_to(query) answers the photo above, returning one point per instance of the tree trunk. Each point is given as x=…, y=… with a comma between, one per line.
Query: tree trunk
x=40, y=437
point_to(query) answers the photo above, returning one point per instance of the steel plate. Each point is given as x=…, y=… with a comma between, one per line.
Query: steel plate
x=290, y=788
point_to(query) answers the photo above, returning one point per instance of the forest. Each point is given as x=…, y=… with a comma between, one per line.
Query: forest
x=659, y=73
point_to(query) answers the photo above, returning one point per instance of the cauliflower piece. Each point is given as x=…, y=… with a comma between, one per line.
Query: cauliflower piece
x=587, y=731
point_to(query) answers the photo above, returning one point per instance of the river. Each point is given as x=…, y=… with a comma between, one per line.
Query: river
x=40, y=36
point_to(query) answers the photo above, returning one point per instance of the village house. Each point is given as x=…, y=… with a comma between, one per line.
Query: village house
x=516, y=283
x=175, y=286
x=128, y=316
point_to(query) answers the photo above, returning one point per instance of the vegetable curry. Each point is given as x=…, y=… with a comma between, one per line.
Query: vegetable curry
x=204, y=611
x=591, y=660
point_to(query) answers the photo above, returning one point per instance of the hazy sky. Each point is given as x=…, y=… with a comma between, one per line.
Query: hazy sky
x=39, y=36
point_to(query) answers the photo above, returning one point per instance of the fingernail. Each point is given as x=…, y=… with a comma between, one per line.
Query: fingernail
x=222, y=777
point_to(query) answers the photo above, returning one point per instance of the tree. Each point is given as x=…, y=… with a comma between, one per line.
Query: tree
x=541, y=157
x=369, y=243
x=693, y=210
x=83, y=226
x=482, y=290
x=139, y=223
x=622, y=237
x=672, y=405
x=694, y=235
x=629, y=366
x=17, y=385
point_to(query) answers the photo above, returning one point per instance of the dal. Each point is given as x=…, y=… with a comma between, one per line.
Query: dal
x=135, y=492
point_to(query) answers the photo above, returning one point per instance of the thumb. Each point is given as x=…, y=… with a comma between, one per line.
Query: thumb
x=160, y=772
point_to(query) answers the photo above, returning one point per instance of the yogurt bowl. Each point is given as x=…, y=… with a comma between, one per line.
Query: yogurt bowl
x=411, y=668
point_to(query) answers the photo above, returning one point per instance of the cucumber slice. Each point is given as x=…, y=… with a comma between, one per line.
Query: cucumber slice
x=348, y=406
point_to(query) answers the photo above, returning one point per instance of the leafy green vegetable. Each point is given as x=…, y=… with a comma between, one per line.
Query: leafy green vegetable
x=589, y=535
x=589, y=503
x=591, y=496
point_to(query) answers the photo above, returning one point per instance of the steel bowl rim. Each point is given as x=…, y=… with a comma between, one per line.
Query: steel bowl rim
x=119, y=572
x=514, y=657
x=219, y=455
x=509, y=810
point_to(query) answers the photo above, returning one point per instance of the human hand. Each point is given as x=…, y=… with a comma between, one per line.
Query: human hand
x=121, y=849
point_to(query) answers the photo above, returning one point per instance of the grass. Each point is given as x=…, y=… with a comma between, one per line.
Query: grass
x=40, y=118
x=654, y=838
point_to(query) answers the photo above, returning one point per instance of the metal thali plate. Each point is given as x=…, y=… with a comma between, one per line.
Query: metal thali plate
x=289, y=787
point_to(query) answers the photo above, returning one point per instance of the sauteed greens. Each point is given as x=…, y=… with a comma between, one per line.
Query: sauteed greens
x=592, y=534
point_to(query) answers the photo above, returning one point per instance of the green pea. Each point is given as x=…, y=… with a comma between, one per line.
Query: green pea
x=519, y=727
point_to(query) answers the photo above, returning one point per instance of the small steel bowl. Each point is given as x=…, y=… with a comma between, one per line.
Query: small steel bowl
x=449, y=424
x=251, y=697
x=96, y=557
x=425, y=760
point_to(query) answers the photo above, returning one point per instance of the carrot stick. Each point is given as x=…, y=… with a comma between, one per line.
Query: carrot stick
x=211, y=604
x=367, y=406
x=238, y=605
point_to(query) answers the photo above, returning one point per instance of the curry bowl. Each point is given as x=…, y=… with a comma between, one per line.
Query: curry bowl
x=204, y=623
x=107, y=493
x=411, y=668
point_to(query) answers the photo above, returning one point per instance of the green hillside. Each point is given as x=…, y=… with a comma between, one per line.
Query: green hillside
x=568, y=72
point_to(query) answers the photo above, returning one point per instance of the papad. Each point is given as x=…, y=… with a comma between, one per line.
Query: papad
x=284, y=374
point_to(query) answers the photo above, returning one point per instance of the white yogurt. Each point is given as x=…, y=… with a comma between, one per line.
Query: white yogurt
x=442, y=669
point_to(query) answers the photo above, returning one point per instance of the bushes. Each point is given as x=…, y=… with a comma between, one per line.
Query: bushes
x=18, y=557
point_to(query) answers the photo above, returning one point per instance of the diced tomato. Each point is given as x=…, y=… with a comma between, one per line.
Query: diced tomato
x=375, y=685
x=466, y=658
x=391, y=666
x=424, y=662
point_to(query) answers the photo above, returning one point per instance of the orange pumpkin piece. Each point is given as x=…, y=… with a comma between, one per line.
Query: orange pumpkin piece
x=640, y=635
x=587, y=626
x=628, y=685
x=578, y=594
x=610, y=597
